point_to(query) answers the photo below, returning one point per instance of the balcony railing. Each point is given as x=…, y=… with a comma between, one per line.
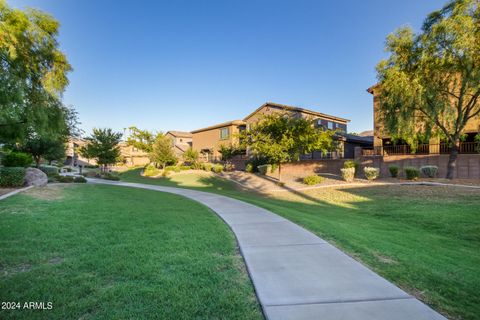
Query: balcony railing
x=442, y=148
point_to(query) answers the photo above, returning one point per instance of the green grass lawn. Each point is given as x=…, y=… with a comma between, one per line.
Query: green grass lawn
x=106, y=252
x=425, y=239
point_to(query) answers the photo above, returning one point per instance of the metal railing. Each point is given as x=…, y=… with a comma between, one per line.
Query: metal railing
x=442, y=148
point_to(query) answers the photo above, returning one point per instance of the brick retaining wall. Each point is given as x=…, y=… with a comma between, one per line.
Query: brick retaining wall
x=468, y=165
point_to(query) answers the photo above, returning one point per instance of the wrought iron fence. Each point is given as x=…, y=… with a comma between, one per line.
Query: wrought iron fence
x=442, y=148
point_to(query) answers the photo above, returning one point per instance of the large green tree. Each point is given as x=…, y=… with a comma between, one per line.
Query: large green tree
x=430, y=84
x=33, y=74
x=162, y=151
x=281, y=138
x=141, y=139
x=103, y=146
x=48, y=148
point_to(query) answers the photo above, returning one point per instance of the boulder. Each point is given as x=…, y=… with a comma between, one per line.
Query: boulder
x=35, y=177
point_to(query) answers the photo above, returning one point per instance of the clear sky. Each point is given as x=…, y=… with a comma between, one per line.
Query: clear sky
x=184, y=65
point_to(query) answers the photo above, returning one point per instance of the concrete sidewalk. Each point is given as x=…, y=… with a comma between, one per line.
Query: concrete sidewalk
x=296, y=274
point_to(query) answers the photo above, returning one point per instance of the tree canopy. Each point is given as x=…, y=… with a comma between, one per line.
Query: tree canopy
x=141, y=139
x=281, y=138
x=430, y=84
x=162, y=151
x=33, y=75
x=103, y=146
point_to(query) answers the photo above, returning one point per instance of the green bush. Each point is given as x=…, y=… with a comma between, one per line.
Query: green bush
x=110, y=176
x=49, y=170
x=217, y=168
x=17, y=159
x=429, y=171
x=255, y=162
x=371, y=173
x=151, y=171
x=229, y=167
x=264, y=168
x=412, y=173
x=79, y=180
x=351, y=164
x=348, y=174
x=12, y=176
x=65, y=179
x=312, y=180
x=183, y=168
x=172, y=168
x=393, y=171
x=206, y=166
x=249, y=167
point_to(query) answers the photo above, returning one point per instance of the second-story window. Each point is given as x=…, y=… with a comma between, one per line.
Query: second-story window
x=330, y=125
x=224, y=133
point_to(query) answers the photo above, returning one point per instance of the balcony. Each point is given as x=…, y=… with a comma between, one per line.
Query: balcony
x=422, y=149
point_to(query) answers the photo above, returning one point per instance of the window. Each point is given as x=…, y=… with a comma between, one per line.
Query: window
x=224, y=133
x=330, y=125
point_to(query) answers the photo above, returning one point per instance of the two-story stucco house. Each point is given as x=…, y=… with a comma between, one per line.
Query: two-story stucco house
x=384, y=144
x=207, y=141
x=181, y=141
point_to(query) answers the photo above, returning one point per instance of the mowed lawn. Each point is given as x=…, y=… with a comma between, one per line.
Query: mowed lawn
x=425, y=239
x=107, y=252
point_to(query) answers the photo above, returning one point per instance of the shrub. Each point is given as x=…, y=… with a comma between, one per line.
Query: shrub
x=185, y=168
x=348, y=174
x=12, y=176
x=393, y=171
x=312, y=180
x=17, y=159
x=151, y=171
x=206, y=166
x=79, y=180
x=264, y=168
x=65, y=179
x=172, y=168
x=249, y=167
x=255, y=162
x=229, y=167
x=49, y=170
x=429, y=171
x=217, y=168
x=351, y=164
x=371, y=173
x=412, y=173
x=110, y=176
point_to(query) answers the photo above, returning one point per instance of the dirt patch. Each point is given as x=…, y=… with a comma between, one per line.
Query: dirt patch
x=55, y=260
x=49, y=192
x=385, y=259
x=5, y=190
x=24, y=267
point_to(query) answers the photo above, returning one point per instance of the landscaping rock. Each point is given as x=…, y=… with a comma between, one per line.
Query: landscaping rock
x=35, y=177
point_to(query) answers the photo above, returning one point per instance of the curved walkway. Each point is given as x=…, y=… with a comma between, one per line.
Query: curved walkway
x=296, y=274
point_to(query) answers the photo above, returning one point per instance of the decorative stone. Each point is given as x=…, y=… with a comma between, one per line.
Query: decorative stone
x=35, y=177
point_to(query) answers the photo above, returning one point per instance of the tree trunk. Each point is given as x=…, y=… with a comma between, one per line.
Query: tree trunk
x=280, y=172
x=37, y=162
x=452, y=160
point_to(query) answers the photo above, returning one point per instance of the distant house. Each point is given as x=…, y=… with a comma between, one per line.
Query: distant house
x=207, y=141
x=181, y=141
x=130, y=155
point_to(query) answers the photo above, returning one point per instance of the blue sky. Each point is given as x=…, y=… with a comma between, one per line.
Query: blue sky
x=183, y=65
